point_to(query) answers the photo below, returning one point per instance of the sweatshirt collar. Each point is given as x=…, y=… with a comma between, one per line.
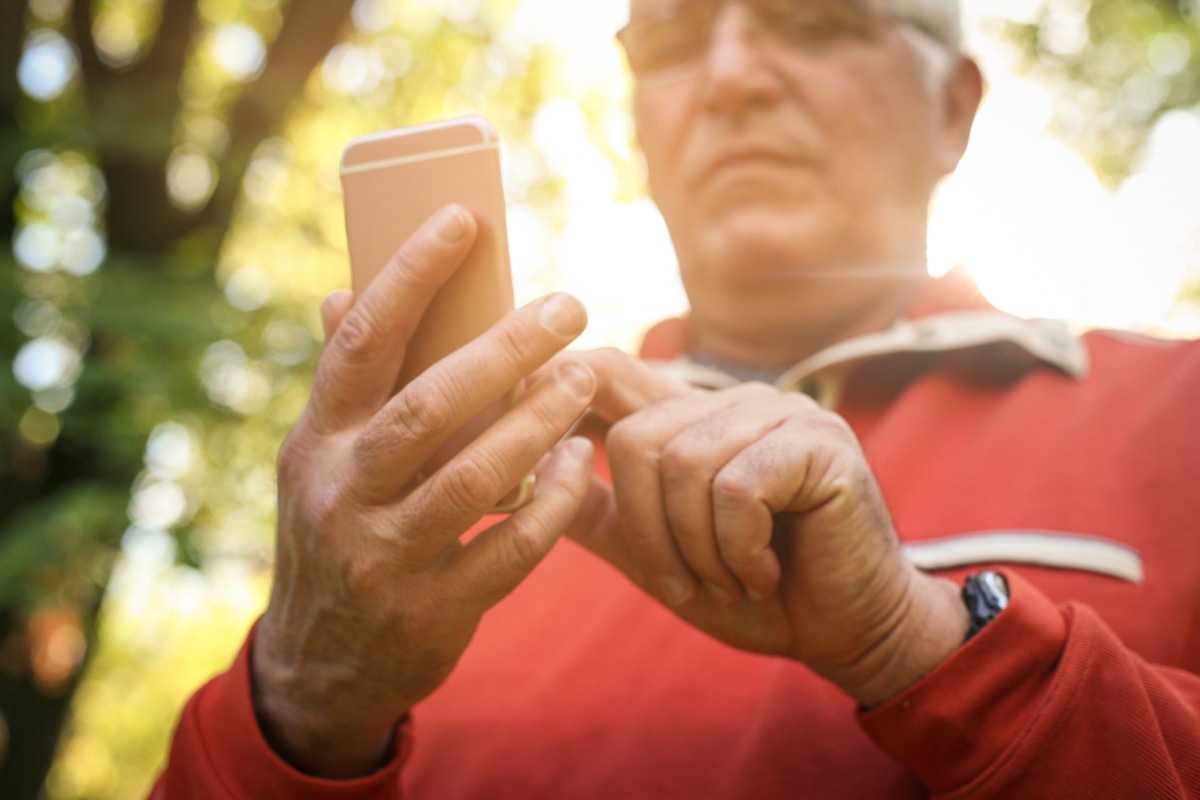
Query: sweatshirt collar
x=950, y=316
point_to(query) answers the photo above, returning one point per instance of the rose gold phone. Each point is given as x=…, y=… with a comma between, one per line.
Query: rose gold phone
x=392, y=183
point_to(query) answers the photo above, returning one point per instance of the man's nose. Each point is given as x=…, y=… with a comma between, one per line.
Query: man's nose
x=737, y=66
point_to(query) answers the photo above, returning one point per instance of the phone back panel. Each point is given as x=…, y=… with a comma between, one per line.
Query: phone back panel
x=392, y=183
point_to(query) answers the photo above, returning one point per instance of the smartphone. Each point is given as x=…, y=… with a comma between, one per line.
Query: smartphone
x=392, y=182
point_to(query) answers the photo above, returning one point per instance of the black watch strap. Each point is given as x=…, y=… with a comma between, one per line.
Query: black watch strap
x=985, y=595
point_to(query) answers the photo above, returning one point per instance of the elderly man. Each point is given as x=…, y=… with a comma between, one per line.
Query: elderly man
x=882, y=542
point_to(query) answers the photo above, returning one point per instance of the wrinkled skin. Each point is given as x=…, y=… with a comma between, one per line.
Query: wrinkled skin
x=754, y=515
x=375, y=595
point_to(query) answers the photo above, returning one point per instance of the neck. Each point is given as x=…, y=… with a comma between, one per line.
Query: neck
x=740, y=335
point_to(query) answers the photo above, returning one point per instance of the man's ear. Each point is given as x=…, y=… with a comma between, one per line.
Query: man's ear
x=960, y=100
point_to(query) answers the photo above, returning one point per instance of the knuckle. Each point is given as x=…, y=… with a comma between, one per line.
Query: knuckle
x=732, y=487
x=604, y=362
x=545, y=415
x=755, y=390
x=370, y=570
x=513, y=341
x=330, y=506
x=611, y=356
x=360, y=577
x=840, y=426
x=522, y=550
x=358, y=337
x=470, y=482
x=292, y=455
x=551, y=414
x=652, y=550
x=738, y=556
x=408, y=264
x=371, y=447
x=625, y=437
x=682, y=457
x=402, y=261
x=803, y=404
x=824, y=422
x=423, y=410
x=699, y=554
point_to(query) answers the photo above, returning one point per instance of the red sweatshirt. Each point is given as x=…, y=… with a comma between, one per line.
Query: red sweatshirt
x=1073, y=466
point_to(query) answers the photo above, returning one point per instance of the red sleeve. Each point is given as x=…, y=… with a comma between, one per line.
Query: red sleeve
x=219, y=751
x=1046, y=702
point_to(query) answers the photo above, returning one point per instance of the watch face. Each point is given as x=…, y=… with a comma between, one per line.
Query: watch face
x=996, y=587
x=985, y=595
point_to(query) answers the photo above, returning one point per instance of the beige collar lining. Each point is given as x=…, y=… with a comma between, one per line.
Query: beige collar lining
x=821, y=374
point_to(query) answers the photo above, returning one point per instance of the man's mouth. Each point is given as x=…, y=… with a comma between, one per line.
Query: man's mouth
x=745, y=158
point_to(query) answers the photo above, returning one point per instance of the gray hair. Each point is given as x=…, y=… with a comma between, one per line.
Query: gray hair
x=940, y=20
x=934, y=29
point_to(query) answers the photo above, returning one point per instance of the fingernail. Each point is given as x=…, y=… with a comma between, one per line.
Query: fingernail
x=451, y=225
x=577, y=449
x=673, y=590
x=577, y=379
x=560, y=315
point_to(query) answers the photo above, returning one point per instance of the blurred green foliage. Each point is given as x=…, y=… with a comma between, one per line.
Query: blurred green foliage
x=1115, y=68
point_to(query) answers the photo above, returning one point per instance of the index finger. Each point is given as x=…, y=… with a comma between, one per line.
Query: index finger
x=357, y=371
x=626, y=385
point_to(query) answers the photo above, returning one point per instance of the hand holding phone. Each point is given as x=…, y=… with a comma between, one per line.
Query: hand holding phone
x=377, y=590
x=393, y=182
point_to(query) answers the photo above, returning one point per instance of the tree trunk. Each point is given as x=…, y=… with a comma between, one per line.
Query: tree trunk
x=159, y=267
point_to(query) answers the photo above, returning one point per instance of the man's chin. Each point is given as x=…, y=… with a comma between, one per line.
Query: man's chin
x=755, y=244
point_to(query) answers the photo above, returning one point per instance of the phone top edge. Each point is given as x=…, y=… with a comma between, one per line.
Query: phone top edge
x=485, y=130
x=384, y=163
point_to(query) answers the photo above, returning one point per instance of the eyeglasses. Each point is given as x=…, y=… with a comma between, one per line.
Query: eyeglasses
x=674, y=38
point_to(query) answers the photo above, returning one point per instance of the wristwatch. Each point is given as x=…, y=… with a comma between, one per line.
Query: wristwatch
x=985, y=595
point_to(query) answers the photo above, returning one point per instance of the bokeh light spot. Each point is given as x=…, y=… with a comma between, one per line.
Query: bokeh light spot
x=47, y=363
x=288, y=343
x=232, y=380
x=49, y=11
x=57, y=647
x=38, y=428
x=170, y=451
x=191, y=179
x=47, y=65
x=56, y=400
x=249, y=288
x=158, y=504
x=1169, y=54
x=37, y=246
x=351, y=69
x=115, y=33
x=373, y=16
x=239, y=50
x=82, y=252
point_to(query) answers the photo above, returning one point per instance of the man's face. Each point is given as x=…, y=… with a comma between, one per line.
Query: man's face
x=770, y=163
